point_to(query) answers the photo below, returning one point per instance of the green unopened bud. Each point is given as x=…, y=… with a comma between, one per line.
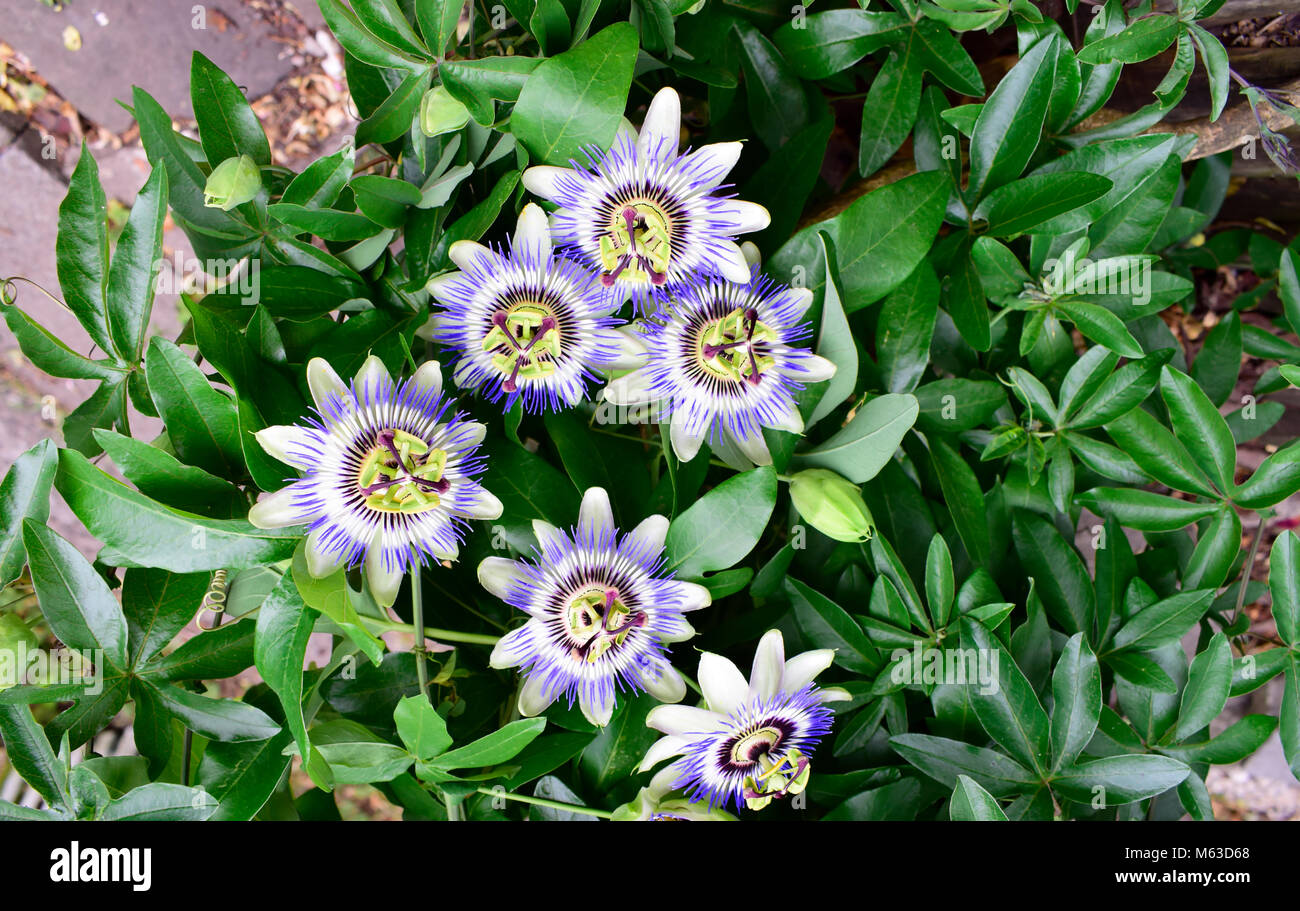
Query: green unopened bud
x=832, y=505
x=440, y=113
x=232, y=183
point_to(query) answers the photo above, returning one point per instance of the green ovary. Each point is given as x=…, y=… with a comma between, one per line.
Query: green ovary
x=402, y=473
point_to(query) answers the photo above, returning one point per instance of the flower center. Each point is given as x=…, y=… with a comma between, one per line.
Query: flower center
x=730, y=347
x=598, y=620
x=755, y=746
x=637, y=243
x=401, y=473
x=524, y=340
x=776, y=778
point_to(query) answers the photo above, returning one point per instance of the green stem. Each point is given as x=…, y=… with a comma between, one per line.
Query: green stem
x=431, y=632
x=417, y=616
x=543, y=802
x=1250, y=565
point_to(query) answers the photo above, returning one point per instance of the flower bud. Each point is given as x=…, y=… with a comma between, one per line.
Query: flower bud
x=232, y=183
x=832, y=505
x=440, y=113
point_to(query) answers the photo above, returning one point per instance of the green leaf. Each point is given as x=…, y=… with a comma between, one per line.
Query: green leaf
x=421, y=728
x=1026, y=203
x=863, y=447
x=49, y=353
x=1116, y=395
x=131, y=275
x=201, y=422
x=741, y=504
x=1200, y=427
x=1140, y=41
x=364, y=44
x=29, y=754
x=216, y=654
x=1076, y=701
x=365, y=762
x=284, y=624
x=319, y=185
x=778, y=105
x=1165, y=621
x=1006, y=133
x=1061, y=579
x=24, y=494
x=478, y=83
x=1236, y=743
x=1145, y=510
x=1289, y=715
x=576, y=99
x=1219, y=361
x=1216, y=551
x=964, y=299
x=386, y=20
x=1121, y=779
x=1208, y=684
x=228, y=127
x=826, y=43
x=1288, y=287
x=970, y=802
x=1159, y=453
x=333, y=597
x=905, y=329
x=835, y=343
x=1141, y=671
x=945, y=760
x=327, y=224
x=1284, y=586
x=141, y=532
x=1102, y=326
x=81, y=249
x=241, y=777
x=964, y=498
x=890, y=110
x=827, y=625
x=939, y=584
x=158, y=605
x=161, y=476
x=438, y=20
x=1011, y=714
x=494, y=749
x=216, y=719
x=1277, y=478
x=393, y=118
x=74, y=599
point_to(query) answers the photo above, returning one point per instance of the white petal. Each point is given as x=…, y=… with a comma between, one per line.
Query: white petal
x=440, y=285
x=470, y=434
x=834, y=694
x=275, y=510
x=667, y=687
x=686, y=442
x=533, y=231
x=730, y=263
x=631, y=351
x=384, y=583
x=598, y=714
x=324, y=382
x=724, y=686
x=790, y=420
x=464, y=253
x=692, y=595
x=280, y=440
x=684, y=719
x=541, y=180
x=429, y=376
x=499, y=575
x=755, y=259
x=595, y=512
x=662, y=781
x=684, y=634
x=818, y=369
x=711, y=164
x=660, y=750
x=649, y=535
x=450, y=554
x=512, y=649
x=631, y=389
x=372, y=375
x=803, y=298
x=748, y=216
x=532, y=696
x=548, y=533
x=769, y=666
x=755, y=448
x=802, y=669
x=625, y=132
x=321, y=562
x=661, y=131
x=484, y=506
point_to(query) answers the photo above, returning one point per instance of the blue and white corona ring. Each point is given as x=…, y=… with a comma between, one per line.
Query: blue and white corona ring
x=754, y=739
x=601, y=613
x=387, y=474
x=647, y=217
x=722, y=359
x=528, y=324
